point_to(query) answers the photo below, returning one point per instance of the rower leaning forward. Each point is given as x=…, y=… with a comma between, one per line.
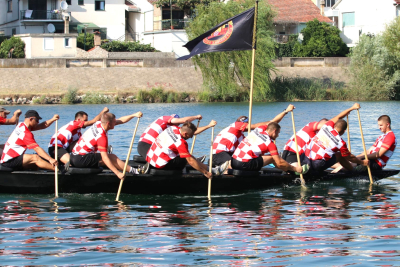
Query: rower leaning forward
x=4, y=121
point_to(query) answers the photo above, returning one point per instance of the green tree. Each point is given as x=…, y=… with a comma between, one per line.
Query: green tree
x=89, y=40
x=320, y=39
x=183, y=4
x=118, y=46
x=17, y=44
x=223, y=72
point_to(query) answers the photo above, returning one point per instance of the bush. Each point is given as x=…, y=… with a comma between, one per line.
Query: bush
x=40, y=100
x=320, y=39
x=95, y=98
x=286, y=50
x=80, y=41
x=70, y=96
x=118, y=46
x=13, y=42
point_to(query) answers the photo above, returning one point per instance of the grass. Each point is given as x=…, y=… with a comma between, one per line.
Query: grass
x=70, y=96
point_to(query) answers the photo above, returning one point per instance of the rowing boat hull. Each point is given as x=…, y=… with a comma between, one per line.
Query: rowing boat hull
x=42, y=182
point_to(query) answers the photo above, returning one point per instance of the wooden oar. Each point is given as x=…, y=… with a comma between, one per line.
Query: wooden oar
x=348, y=133
x=303, y=183
x=210, y=164
x=194, y=140
x=127, y=159
x=365, y=150
x=56, y=158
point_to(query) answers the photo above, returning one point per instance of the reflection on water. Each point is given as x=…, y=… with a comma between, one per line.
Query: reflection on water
x=330, y=224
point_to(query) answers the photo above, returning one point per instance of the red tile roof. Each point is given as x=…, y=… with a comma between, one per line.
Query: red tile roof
x=297, y=11
x=153, y=2
x=129, y=4
x=397, y=2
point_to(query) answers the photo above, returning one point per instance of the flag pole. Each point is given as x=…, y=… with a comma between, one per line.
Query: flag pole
x=253, y=56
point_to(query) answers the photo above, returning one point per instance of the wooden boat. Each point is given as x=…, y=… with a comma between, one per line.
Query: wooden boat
x=159, y=182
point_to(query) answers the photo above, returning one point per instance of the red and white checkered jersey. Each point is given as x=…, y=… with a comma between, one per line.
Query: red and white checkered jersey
x=326, y=143
x=2, y=120
x=303, y=138
x=152, y=132
x=93, y=140
x=387, y=141
x=19, y=141
x=229, y=138
x=67, y=134
x=167, y=146
x=256, y=144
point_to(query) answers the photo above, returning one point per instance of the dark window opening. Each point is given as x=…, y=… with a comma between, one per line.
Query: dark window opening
x=81, y=2
x=9, y=5
x=100, y=5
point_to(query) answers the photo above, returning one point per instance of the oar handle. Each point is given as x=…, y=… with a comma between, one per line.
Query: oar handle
x=210, y=163
x=56, y=158
x=348, y=133
x=127, y=159
x=365, y=150
x=303, y=183
x=194, y=140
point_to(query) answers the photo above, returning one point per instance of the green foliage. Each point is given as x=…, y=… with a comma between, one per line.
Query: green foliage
x=286, y=50
x=2, y=39
x=70, y=96
x=40, y=100
x=183, y=4
x=223, y=72
x=95, y=98
x=320, y=40
x=158, y=95
x=118, y=46
x=89, y=41
x=374, y=70
x=13, y=42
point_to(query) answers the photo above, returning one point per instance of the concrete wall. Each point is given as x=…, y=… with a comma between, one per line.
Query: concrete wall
x=312, y=62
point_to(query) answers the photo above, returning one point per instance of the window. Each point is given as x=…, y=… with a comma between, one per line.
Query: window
x=330, y=3
x=81, y=2
x=397, y=11
x=67, y=42
x=48, y=43
x=9, y=5
x=13, y=31
x=348, y=19
x=100, y=5
x=68, y=2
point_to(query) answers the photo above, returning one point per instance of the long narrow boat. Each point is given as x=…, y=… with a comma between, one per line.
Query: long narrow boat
x=189, y=181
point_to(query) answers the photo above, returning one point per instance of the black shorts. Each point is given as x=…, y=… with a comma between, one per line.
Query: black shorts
x=61, y=152
x=373, y=165
x=318, y=165
x=15, y=163
x=90, y=160
x=143, y=148
x=252, y=165
x=221, y=158
x=289, y=156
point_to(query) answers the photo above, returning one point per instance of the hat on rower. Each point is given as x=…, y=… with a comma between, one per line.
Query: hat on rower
x=32, y=113
x=242, y=119
x=175, y=116
x=4, y=110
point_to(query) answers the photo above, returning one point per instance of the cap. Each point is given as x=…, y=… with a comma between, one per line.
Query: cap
x=243, y=119
x=4, y=110
x=32, y=113
x=175, y=116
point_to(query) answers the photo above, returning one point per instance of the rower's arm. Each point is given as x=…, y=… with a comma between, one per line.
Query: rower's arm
x=253, y=126
x=106, y=160
x=97, y=118
x=45, y=124
x=277, y=118
x=375, y=155
x=345, y=112
x=284, y=165
x=355, y=159
x=184, y=119
x=127, y=118
x=45, y=156
x=195, y=164
x=202, y=129
x=14, y=119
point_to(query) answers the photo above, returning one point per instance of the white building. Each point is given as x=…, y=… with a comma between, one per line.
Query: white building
x=356, y=17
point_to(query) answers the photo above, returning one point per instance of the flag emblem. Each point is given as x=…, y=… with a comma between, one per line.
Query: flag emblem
x=221, y=35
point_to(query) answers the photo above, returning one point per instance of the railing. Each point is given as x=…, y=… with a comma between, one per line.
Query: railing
x=42, y=15
x=165, y=24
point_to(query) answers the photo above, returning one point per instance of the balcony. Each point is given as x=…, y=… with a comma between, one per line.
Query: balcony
x=42, y=15
x=165, y=24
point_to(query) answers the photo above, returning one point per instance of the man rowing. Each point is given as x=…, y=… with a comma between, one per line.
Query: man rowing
x=229, y=138
x=159, y=125
x=170, y=151
x=95, y=139
x=21, y=139
x=383, y=148
x=327, y=147
x=70, y=133
x=250, y=154
x=4, y=121
x=303, y=138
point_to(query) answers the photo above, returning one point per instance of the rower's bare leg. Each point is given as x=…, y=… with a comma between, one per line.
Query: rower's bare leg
x=268, y=160
x=65, y=158
x=34, y=161
x=119, y=164
x=344, y=162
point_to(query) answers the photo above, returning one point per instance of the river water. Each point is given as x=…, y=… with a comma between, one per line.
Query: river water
x=331, y=224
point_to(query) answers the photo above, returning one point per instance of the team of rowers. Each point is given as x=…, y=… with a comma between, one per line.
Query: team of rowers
x=163, y=144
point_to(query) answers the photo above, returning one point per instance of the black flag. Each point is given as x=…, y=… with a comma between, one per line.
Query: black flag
x=235, y=33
